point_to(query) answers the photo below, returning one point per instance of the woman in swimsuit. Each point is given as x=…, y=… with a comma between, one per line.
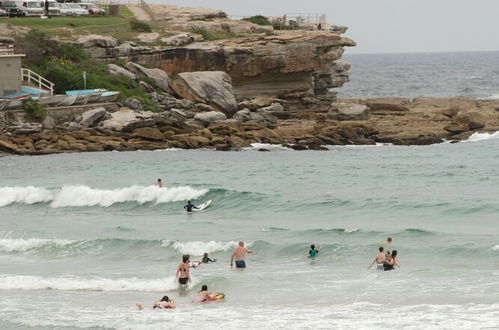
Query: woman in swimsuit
x=391, y=262
x=203, y=295
x=183, y=271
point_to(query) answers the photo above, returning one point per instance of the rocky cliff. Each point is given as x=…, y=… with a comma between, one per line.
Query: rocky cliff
x=294, y=64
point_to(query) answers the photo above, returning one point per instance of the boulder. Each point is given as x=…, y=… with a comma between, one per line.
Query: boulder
x=148, y=133
x=159, y=76
x=92, y=117
x=210, y=117
x=210, y=87
x=204, y=107
x=148, y=37
x=94, y=40
x=118, y=70
x=178, y=40
x=24, y=128
x=348, y=111
x=243, y=115
x=132, y=103
x=7, y=146
x=48, y=123
x=256, y=103
x=146, y=87
x=384, y=105
x=472, y=119
x=271, y=109
x=126, y=120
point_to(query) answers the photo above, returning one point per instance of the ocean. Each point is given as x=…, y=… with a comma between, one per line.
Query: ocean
x=461, y=74
x=86, y=236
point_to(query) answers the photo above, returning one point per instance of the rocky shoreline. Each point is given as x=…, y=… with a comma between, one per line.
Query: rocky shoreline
x=399, y=121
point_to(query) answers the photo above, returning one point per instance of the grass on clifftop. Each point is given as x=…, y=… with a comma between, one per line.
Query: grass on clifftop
x=64, y=63
x=65, y=26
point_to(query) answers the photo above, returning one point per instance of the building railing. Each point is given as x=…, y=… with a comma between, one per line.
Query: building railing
x=37, y=80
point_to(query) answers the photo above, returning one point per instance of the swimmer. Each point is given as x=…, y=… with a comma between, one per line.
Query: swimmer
x=388, y=241
x=239, y=254
x=381, y=257
x=189, y=206
x=206, y=259
x=312, y=253
x=159, y=183
x=183, y=271
x=203, y=295
x=164, y=303
x=391, y=262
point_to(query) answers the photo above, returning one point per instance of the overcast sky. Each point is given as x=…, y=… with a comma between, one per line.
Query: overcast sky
x=386, y=26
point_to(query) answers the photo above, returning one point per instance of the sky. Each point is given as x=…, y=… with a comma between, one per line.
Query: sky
x=388, y=26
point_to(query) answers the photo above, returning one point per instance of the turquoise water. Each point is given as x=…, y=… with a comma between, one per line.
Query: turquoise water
x=83, y=237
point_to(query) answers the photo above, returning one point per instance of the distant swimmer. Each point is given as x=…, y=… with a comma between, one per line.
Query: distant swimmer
x=239, y=254
x=391, y=262
x=312, y=253
x=183, y=271
x=164, y=303
x=381, y=257
x=189, y=206
x=159, y=183
x=206, y=259
x=388, y=241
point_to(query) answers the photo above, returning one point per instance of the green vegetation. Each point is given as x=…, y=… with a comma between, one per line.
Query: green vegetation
x=64, y=63
x=34, y=111
x=257, y=19
x=139, y=26
x=66, y=26
x=213, y=35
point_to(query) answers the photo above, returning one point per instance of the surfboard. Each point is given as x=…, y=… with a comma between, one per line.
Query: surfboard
x=203, y=206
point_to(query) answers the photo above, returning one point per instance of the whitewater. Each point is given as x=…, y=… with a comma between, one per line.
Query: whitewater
x=83, y=237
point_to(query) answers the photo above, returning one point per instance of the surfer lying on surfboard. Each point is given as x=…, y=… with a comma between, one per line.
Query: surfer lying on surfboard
x=164, y=303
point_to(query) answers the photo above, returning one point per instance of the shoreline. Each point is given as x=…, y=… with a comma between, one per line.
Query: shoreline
x=292, y=124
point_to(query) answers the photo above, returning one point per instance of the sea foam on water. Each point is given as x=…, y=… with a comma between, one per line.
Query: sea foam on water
x=81, y=195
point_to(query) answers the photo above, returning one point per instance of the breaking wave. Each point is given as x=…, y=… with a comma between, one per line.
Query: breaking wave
x=73, y=283
x=476, y=137
x=197, y=248
x=81, y=195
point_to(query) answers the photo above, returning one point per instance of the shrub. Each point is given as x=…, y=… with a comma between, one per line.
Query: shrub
x=63, y=64
x=33, y=110
x=139, y=26
x=257, y=19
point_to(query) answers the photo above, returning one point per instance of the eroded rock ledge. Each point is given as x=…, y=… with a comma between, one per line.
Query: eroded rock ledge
x=399, y=121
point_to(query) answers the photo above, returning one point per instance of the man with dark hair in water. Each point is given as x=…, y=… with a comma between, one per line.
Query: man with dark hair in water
x=380, y=259
x=189, y=206
x=164, y=303
x=312, y=253
x=159, y=183
x=388, y=241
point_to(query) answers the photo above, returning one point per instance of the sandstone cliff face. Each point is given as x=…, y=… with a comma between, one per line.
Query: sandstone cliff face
x=294, y=64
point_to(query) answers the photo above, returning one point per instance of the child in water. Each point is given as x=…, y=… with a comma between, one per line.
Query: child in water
x=203, y=295
x=313, y=252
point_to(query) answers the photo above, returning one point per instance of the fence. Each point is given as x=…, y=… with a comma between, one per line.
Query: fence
x=295, y=21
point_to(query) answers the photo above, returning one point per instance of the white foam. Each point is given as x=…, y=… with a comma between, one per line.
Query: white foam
x=476, y=137
x=23, y=245
x=256, y=146
x=24, y=195
x=70, y=283
x=496, y=248
x=351, y=230
x=197, y=248
x=81, y=195
x=493, y=97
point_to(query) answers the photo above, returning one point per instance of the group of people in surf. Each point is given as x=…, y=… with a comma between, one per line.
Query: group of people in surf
x=384, y=260
x=188, y=207
x=238, y=258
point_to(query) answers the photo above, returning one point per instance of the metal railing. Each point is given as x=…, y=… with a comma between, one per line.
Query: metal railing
x=37, y=80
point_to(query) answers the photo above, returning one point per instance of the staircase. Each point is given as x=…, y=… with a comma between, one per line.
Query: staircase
x=38, y=81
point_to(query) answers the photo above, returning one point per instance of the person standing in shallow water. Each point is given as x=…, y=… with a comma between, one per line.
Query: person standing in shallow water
x=312, y=253
x=183, y=271
x=189, y=206
x=159, y=184
x=381, y=257
x=388, y=241
x=239, y=254
x=391, y=262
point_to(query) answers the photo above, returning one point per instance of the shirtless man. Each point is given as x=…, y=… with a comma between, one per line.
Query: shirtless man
x=239, y=253
x=388, y=241
x=159, y=184
x=183, y=271
x=379, y=260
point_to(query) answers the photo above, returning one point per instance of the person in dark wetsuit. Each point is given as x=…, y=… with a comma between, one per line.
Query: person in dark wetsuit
x=312, y=253
x=205, y=259
x=183, y=271
x=391, y=262
x=189, y=206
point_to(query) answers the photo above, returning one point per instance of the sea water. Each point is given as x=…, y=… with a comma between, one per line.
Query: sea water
x=85, y=236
